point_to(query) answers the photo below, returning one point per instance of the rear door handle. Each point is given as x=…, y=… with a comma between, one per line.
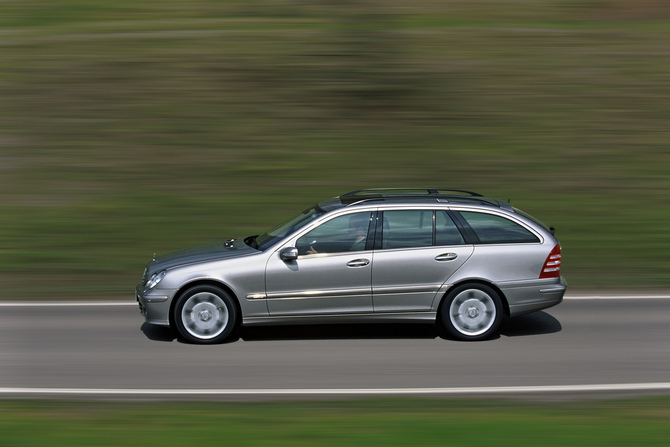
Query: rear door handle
x=446, y=257
x=358, y=263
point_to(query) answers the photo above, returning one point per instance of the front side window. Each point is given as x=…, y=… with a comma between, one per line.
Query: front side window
x=492, y=229
x=410, y=228
x=341, y=234
x=271, y=237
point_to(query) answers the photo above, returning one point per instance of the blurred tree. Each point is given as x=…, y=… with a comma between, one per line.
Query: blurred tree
x=361, y=66
x=356, y=64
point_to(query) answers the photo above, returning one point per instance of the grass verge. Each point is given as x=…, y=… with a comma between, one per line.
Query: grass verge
x=387, y=422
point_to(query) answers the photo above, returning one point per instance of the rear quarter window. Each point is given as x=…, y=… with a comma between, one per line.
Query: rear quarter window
x=493, y=229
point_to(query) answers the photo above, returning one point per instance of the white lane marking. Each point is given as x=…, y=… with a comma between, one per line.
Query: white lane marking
x=66, y=303
x=617, y=297
x=352, y=391
x=134, y=303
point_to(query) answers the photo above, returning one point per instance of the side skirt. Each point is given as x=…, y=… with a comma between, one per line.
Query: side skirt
x=409, y=317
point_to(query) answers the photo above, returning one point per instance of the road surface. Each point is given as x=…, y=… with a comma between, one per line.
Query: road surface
x=584, y=345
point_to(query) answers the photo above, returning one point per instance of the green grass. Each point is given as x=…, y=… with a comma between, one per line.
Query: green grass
x=134, y=127
x=387, y=422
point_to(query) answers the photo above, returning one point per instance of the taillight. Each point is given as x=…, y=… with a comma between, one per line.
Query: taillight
x=552, y=266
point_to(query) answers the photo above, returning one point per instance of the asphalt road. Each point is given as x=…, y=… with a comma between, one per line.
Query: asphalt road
x=83, y=348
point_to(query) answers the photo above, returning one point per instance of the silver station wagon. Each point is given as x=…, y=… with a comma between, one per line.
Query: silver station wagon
x=433, y=255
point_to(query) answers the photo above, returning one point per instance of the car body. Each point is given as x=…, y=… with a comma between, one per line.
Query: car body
x=381, y=255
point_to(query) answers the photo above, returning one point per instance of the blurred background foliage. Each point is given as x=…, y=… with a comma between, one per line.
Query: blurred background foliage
x=134, y=127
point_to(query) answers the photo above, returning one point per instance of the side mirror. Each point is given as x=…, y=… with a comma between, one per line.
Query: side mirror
x=288, y=254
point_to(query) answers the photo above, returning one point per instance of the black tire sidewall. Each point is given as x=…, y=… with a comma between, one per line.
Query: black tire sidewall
x=225, y=297
x=446, y=305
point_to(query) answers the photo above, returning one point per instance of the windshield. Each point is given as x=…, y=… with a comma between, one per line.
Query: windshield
x=271, y=237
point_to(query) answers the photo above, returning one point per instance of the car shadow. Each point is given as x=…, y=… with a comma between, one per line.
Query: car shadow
x=158, y=333
x=338, y=332
x=537, y=323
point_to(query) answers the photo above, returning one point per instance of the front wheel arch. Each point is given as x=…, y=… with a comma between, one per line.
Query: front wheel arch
x=205, y=282
x=217, y=309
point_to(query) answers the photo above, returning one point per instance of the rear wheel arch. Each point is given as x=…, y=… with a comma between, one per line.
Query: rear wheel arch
x=502, y=296
x=471, y=311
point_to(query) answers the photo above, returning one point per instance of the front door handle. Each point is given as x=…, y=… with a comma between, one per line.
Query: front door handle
x=446, y=257
x=358, y=263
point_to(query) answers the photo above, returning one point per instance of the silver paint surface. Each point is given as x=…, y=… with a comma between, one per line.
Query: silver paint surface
x=358, y=286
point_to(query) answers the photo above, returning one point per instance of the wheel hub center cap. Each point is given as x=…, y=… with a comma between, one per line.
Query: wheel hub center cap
x=205, y=315
x=472, y=312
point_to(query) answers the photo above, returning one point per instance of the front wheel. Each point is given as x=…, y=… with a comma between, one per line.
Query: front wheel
x=472, y=312
x=205, y=315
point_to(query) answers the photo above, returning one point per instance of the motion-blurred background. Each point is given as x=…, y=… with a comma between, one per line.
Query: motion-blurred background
x=129, y=127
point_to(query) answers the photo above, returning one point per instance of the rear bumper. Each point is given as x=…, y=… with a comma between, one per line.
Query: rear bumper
x=529, y=296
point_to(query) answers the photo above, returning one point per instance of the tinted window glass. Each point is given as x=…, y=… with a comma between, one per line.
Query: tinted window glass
x=446, y=232
x=271, y=237
x=407, y=229
x=341, y=234
x=492, y=229
x=532, y=219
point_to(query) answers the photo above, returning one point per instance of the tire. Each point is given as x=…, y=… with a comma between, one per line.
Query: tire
x=472, y=312
x=205, y=315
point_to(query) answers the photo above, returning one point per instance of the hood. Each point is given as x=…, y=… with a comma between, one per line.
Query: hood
x=211, y=252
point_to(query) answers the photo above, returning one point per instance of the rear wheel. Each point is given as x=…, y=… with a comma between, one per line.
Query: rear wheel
x=205, y=315
x=472, y=312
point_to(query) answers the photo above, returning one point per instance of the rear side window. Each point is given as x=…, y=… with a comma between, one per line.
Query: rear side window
x=446, y=232
x=492, y=229
x=411, y=228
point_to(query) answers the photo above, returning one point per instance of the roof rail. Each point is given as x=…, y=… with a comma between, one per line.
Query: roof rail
x=383, y=193
x=444, y=194
x=399, y=192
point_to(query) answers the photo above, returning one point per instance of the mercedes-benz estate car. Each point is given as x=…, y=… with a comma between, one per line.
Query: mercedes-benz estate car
x=451, y=257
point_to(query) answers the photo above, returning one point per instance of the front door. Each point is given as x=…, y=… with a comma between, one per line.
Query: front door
x=332, y=274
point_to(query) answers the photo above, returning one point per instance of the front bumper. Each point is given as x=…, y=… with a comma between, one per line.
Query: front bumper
x=154, y=305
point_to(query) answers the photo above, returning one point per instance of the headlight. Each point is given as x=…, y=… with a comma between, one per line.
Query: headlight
x=155, y=279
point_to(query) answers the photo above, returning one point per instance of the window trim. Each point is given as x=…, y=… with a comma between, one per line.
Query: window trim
x=466, y=230
x=372, y=231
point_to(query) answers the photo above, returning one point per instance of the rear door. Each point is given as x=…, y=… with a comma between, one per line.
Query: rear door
x=416, y=251
x=332, y=274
